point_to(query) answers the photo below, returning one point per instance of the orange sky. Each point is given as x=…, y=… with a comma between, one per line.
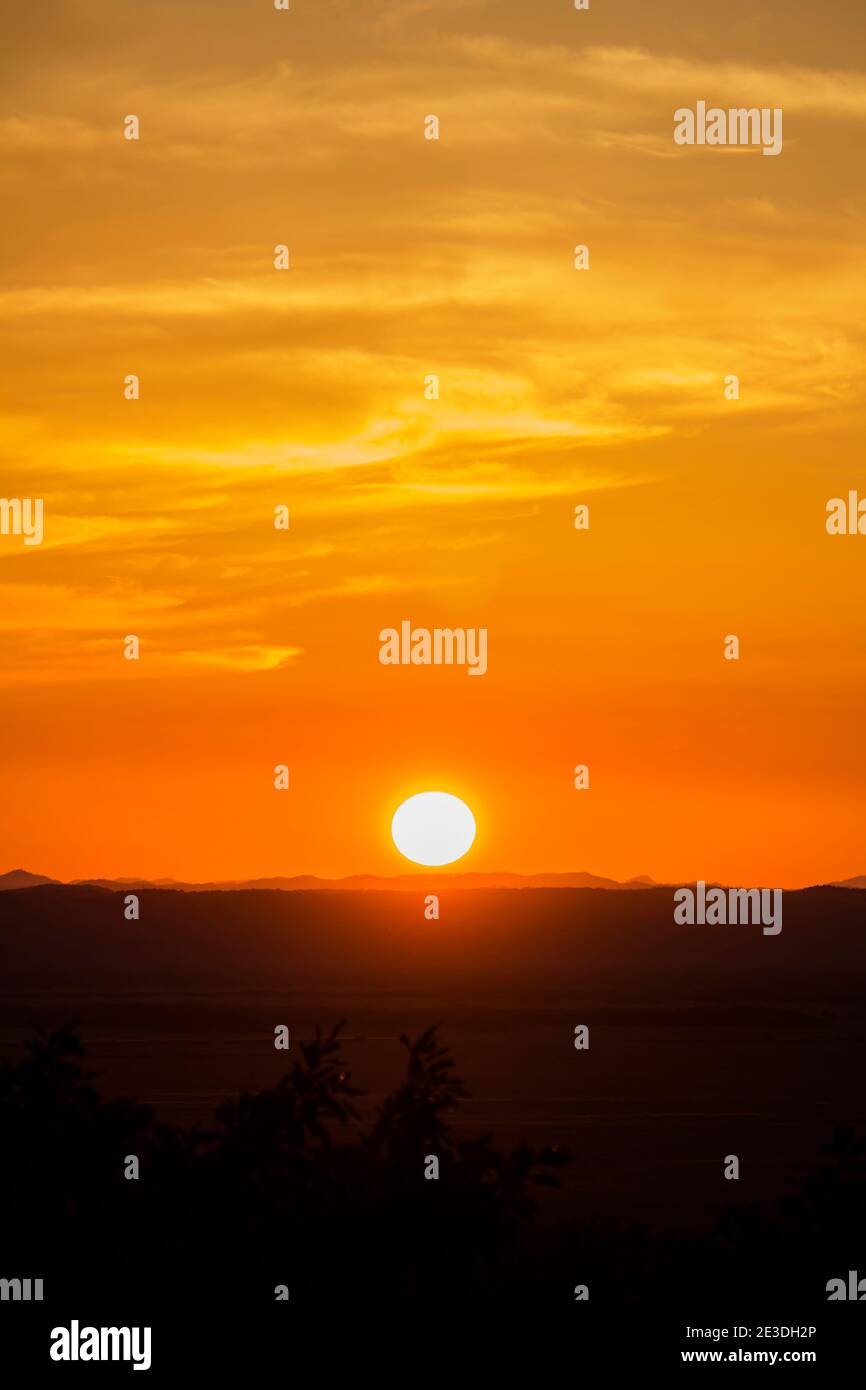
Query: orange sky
x=306, y=387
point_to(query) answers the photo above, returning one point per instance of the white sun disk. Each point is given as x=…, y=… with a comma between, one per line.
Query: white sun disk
x=433, y=828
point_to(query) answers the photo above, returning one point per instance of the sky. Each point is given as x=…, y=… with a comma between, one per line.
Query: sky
x=306, y=388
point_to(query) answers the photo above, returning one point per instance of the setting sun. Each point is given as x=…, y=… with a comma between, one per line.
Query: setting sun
x=433, y=828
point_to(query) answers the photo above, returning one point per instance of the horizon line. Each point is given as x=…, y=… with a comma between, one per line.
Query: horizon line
x=470, y=878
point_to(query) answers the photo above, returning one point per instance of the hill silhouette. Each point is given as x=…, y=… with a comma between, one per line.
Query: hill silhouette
x=548, y=940
x=20, y=878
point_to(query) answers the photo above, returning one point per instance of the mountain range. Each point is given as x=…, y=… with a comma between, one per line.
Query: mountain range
x=400, y=883
x=21, y=878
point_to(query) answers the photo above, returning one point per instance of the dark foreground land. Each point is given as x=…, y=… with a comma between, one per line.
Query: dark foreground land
x=601, y=1167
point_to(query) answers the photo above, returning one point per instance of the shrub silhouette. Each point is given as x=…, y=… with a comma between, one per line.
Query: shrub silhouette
x=277, y=1191
x=288, y=1188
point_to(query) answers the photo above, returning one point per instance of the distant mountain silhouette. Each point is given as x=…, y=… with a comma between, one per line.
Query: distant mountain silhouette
x=20, y=878
x=442, y=879
x=399, y=883
x=366, y=883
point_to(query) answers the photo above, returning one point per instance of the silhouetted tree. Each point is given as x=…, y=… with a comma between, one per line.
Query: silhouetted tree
x=287, y=1187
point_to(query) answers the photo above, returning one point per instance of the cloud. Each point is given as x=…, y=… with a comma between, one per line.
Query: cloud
x=604, y=70
x=809, y=90
x=408, y=259
x=241, y=658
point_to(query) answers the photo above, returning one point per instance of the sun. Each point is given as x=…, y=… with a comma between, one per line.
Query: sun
x=433, y=828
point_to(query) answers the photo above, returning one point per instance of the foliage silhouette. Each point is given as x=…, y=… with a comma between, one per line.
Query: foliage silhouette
x=288, y=1187
x=280, y=1185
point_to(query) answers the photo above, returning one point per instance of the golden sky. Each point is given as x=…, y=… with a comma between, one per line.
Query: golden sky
x=306, y=387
